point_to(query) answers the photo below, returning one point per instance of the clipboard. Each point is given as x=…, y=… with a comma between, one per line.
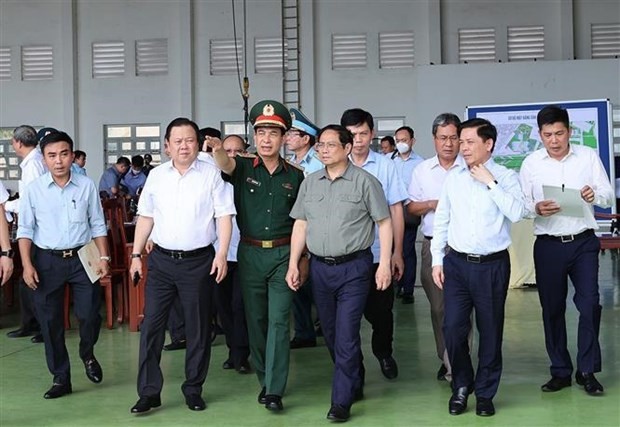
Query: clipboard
x=569, y=199
x=89, y=257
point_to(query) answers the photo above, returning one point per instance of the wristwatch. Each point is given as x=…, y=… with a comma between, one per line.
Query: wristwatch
x=491, y=185
x=8, y=253
x=136, y=255
x=105, y=258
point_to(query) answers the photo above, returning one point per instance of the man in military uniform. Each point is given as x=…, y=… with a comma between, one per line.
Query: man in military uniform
x=300, y=139
x=266, y=187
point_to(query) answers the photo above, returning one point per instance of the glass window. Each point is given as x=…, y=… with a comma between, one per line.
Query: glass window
x=131, y=139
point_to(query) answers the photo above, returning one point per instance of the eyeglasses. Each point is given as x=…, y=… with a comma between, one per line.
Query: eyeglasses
x=445, y=138
x=330, y=145
x=293, y=133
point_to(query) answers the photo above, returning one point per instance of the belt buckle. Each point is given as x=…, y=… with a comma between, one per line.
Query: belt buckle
x=567, y=239
x=67, y=254
x=329, y=260
x=176, y=255
x=476, y=259
x=266, y=244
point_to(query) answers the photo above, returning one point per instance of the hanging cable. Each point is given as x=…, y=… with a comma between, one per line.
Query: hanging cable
x=244, y=88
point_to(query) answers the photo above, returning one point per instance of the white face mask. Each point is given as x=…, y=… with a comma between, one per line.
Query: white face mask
x=402, y=147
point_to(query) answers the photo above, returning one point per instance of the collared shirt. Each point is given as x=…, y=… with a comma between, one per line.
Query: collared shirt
x=75, y=168
x=111, y=178
x=472, y=219
x=184, y=207
x=133, y=181
x=310, y=162
x=394, y=189
x=426, y=184
x=581, y=166
x=32, y=167
x=405, y=167
x=340, y=214
x=61, y=218
x=264, y=200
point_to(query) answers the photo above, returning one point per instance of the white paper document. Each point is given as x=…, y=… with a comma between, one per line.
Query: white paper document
x=569, y=199
x=89, y=256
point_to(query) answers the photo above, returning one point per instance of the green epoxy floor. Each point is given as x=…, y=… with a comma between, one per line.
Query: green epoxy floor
x=414, y=399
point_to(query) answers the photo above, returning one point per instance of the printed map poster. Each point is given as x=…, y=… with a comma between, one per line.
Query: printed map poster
x=517, y=130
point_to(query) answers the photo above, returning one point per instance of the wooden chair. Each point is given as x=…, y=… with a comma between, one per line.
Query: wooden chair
x=120, y=252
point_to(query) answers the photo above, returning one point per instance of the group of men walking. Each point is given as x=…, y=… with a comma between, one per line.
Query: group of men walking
x=339, y=232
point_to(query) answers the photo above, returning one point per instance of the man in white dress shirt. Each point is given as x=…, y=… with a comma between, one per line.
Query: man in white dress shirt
x=566, y=246
x=24, y=142
x=181, y=203
x=424, y=191
x=473, y=217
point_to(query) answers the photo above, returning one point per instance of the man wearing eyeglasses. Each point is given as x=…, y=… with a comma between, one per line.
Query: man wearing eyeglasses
x=424, y=191
x=335, y=215
x=300, y=139
x=406, y=161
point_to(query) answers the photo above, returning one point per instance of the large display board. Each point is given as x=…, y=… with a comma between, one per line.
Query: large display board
x=517, y=130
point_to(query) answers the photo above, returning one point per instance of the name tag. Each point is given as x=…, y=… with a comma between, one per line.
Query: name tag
x=253, y=182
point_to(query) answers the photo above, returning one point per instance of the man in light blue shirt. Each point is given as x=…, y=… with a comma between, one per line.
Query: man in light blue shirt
x=135, y=178
x=406, y=161
x=300, y=139
x=60, y=212
x=380, y=302
x=111, y=178
x=79, y=162
x=473, y=217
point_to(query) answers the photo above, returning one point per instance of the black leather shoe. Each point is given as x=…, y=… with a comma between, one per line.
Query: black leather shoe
x=389, y=368
x=146, y=403
x=441, y=373
x=485, y=407
x=244, y=368
x=58, y=390
x=556, y=384
x=408, y=299
x=93, y=370
x=273, y=402
x=589, y=382
x=36, y=339
x=228, y=364
x=195, y=402
x=299, y=343
x=176, y=345
x=458, y=401
x=338, y=414
x=20, y=333
x=261, y=396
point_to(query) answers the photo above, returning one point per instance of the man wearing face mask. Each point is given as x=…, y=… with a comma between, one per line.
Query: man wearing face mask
x=406, y=161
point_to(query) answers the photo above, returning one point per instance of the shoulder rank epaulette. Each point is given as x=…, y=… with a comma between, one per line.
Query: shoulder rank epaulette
x=247, y=155
x=295, y=165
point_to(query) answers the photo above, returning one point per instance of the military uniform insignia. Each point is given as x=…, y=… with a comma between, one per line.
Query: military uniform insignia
x=247, y=155
x=268, y=110
x=295, y=165
x=253, y=181
x=292, y=115
x=287, y=185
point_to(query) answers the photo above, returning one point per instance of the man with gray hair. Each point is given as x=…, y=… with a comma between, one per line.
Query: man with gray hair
x=24, y=142
x=424, y=190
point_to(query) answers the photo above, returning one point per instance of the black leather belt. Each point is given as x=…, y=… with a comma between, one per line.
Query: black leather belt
x=64, y=253
x=183, y=254
x=428, y=237
x=478, y=259
x=335, y=260
x=568, y=238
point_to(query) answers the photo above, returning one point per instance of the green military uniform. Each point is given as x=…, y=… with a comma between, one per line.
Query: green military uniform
x=263, y=203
